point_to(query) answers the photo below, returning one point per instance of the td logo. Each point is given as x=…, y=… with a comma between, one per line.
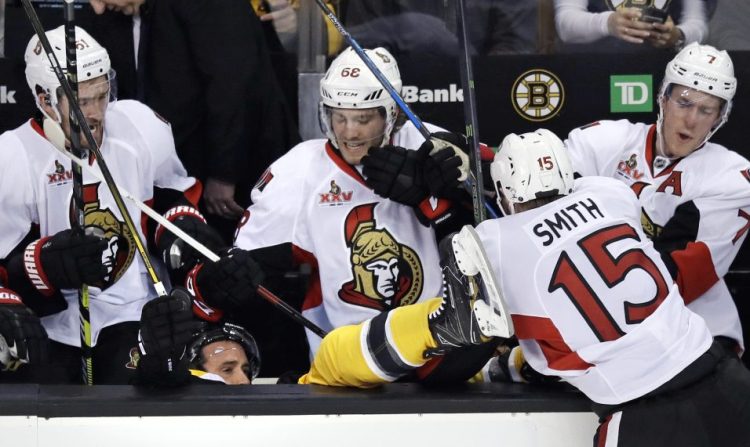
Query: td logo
x=630, y=93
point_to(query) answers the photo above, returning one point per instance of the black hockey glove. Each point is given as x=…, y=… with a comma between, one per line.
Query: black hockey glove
x=66, y=261
x=176, y=254
x=229, y=283
x=167, y=327
x=447, y=165
x=22, y=337
x=396, y=173
x=512, y=366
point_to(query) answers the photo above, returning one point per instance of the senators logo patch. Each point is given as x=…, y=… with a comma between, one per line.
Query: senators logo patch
x=103, y=222
x=628, y=168
x=385, y=273
x=60, y=176
x=538, y=95
x=335, y=196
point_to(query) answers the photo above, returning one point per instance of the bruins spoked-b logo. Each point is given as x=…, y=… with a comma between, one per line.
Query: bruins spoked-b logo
x=538, y=95
x=386, y=274
x=102, y=221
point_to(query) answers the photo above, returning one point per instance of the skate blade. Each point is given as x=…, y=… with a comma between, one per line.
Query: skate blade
x=472, y=260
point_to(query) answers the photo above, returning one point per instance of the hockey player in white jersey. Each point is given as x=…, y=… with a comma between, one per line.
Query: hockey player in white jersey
x=321, y=204
x=45, y=260
x=694, y=194
x=593, y=303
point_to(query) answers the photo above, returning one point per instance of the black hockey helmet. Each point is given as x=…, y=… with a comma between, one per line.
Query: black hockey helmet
x=210, y=333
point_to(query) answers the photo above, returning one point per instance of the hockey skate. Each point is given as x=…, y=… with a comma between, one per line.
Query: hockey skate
x=472, y=310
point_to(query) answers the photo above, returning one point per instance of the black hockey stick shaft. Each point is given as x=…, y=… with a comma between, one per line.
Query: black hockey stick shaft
x=75, y=107
x=290, y=311
x=470, y=114
x=79, y=223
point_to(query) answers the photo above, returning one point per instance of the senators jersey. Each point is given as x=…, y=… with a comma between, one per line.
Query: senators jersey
x=36, y=187
x=369, y=254
x=590, y=298
x=696, y=209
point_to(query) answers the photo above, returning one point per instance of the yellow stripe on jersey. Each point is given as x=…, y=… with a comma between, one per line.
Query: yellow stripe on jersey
x=344, y=357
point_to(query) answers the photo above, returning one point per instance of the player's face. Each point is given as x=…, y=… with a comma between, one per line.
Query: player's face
x=386, y=276
x=688, y=117
x=227, y=359
x=128, y=7
x=93, y=97
x=356, y=131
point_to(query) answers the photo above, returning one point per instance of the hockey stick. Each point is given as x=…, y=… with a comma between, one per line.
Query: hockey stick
x=108, y=180
x=80, y=222
x=470, y=114
x=202, y=249
x=471, y=185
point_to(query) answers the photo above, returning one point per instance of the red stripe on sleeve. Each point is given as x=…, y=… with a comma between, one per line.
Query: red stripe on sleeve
x=695, y=270
x=314, y=294
x=558, y=354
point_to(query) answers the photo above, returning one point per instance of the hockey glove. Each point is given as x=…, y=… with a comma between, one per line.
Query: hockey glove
x=512, y=366
x=447, y=164
x=66, y=261
x=167, y=326
x=177, y=255
x=22, y=337
x=396, y=173
x=229, y=283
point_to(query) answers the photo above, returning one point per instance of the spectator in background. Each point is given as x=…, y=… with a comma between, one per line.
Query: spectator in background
x=204, y=66
x=728, y=26
x=625, y=27
x=429, y=27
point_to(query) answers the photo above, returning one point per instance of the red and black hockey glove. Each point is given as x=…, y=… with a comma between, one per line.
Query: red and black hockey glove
x=227, y=284
x=396, y=174
x=176, y=254
x=22, y=338
x=66, y=260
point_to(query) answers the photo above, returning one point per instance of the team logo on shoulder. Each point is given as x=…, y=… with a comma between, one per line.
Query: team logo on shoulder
x=385, y=273
x=335, y=196
x=60, y=176
x=538, y=95
x=628, y=168
x=103, y=222
x=651, y=229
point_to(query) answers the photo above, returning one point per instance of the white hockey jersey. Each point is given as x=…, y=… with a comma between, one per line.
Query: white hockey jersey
x=369, y=253
x=36, y=187
x=696, y=209
x=590, y=298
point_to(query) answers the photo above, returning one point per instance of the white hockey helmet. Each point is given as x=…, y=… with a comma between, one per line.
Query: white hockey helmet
x=349, y=84
x=531, y=166
x=702, y=68
x=91, y=58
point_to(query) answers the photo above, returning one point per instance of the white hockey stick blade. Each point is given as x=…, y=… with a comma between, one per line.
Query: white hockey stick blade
x=492, y=315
